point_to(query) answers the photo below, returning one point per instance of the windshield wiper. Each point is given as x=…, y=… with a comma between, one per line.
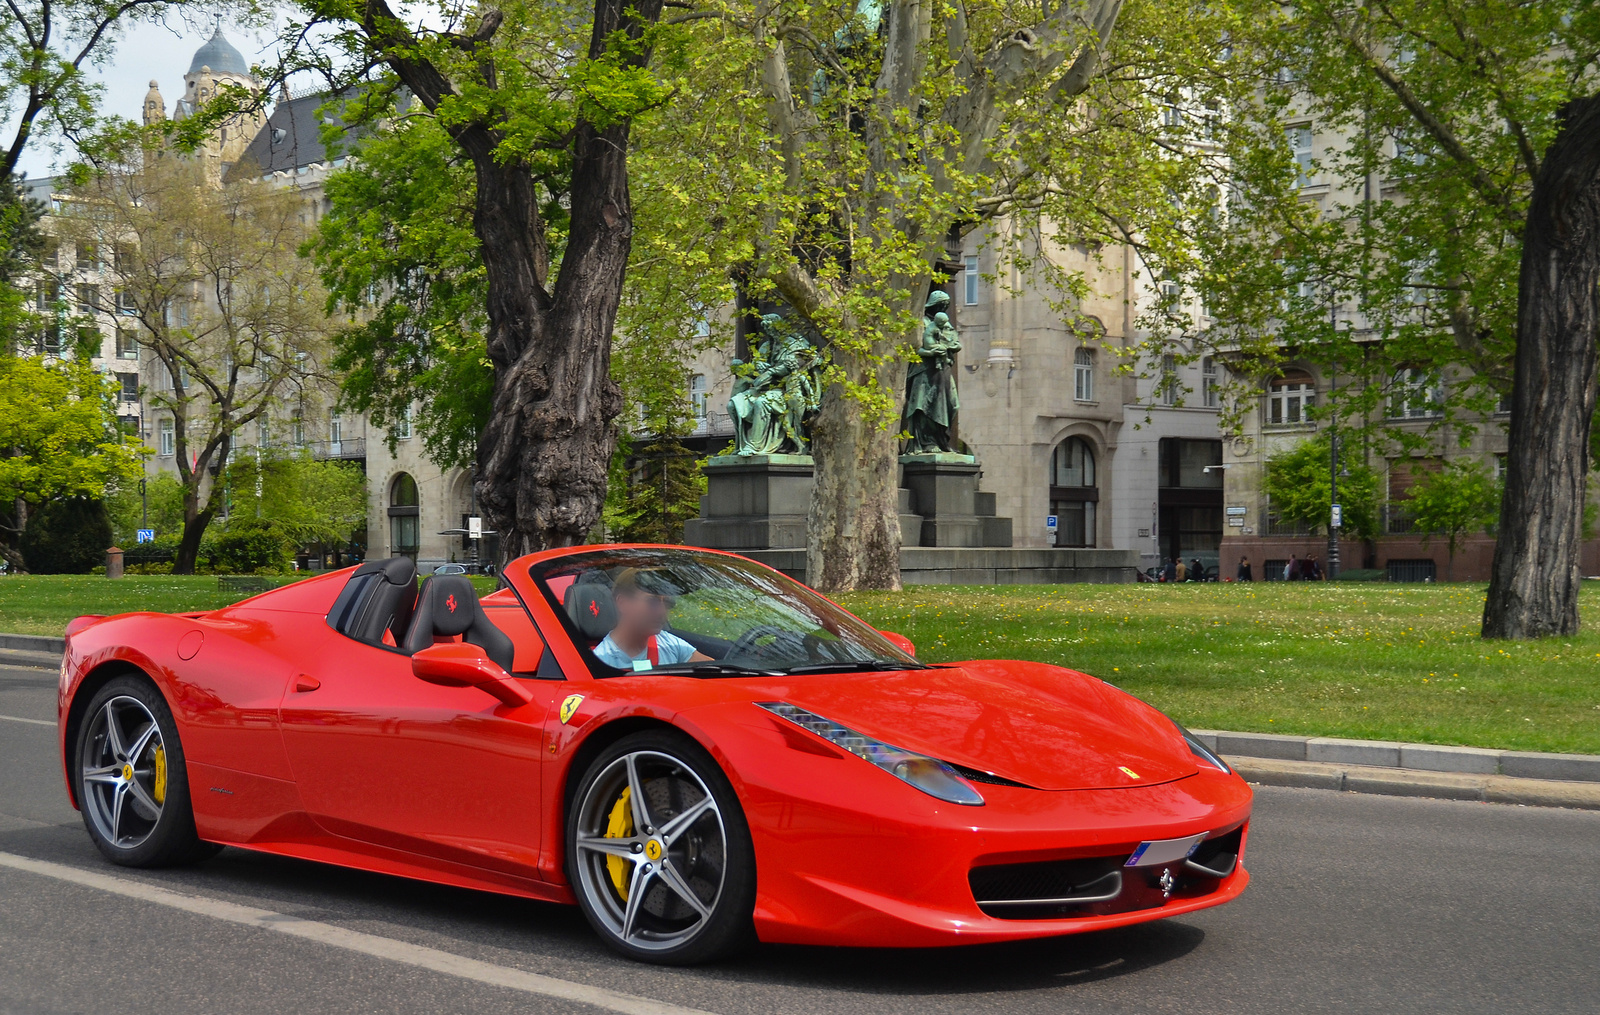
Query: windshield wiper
x=718, y=669
x=854, y=666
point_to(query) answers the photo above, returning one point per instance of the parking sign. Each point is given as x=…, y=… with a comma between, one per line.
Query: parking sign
x=147, y=535
x=1050, y=523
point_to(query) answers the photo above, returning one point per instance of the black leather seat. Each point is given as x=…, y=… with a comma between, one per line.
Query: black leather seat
x=448, y=606
x=380, y=596
x=591, y=608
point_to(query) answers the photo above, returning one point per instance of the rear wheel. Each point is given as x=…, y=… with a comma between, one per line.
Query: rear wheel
x=133, y=786
x=659, y=854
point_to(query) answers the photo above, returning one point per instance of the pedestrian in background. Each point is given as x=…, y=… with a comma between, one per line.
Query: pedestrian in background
x=1313, y=569
x=1181, y=573
x=1291, y=570
x=1170, y=572
x=1197, y=570
x=1244, y=570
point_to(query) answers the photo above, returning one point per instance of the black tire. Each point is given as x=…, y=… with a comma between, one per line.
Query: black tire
x=703, y=849
x=153, y=780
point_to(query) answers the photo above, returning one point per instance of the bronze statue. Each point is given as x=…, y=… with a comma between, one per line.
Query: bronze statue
x=931, y=401
x=774, y=392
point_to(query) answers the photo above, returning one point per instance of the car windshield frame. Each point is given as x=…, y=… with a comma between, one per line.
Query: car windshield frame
x=834, y=617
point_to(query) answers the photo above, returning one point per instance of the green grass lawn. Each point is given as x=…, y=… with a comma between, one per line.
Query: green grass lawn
x=42, y=604
x=1368, y=660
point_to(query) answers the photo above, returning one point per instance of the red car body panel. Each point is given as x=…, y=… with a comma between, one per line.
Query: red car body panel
x=303, y=742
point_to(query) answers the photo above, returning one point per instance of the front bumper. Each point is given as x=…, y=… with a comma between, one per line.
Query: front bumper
x=849, y=855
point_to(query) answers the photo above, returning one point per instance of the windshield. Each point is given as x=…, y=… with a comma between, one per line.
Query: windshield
x=684, y=611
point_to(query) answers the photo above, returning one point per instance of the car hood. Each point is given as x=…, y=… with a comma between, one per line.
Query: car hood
x=1046, y=727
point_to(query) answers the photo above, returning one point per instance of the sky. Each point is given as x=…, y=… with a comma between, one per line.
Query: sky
x=148, y=52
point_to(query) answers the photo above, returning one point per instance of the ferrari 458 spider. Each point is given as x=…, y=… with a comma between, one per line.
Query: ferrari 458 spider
x=688, y=745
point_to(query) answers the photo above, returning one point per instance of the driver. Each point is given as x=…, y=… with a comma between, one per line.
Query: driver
x=638, y=641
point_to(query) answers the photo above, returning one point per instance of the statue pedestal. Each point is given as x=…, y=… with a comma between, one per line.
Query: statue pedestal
x=944, y=491
x=753, y=502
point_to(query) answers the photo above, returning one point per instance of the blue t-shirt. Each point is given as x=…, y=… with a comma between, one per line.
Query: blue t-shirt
x=669, y=648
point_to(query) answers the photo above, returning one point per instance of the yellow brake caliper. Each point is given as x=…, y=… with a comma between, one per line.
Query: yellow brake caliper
x=619, y=826
x=159, y=790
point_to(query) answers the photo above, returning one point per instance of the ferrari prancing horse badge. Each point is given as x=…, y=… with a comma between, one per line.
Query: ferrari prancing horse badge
x=570, y=705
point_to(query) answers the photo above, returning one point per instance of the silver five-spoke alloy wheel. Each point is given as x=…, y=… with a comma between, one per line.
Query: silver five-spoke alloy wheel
x=651, y=850
x=124, y=771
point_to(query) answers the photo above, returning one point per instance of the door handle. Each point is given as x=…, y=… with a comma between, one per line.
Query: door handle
x=304, y=683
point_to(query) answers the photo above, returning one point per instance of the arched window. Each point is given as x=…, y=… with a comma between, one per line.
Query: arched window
x=1083, y=375
x=1073, y=492
x=404, y=516
x=1289, y=397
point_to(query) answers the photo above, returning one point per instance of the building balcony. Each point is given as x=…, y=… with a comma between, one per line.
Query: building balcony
x=348, y=450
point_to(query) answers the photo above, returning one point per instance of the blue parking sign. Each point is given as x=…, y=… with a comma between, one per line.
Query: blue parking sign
x=147, y=535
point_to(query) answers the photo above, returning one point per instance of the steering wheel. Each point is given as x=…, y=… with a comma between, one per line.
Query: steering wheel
x=766, y=643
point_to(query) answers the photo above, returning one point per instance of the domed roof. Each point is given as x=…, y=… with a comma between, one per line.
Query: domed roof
x=218, y=54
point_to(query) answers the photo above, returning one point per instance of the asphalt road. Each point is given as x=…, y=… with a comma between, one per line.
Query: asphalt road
x=1359, y=904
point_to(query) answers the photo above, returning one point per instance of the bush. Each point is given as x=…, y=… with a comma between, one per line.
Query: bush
x=251, y=546
x=67, y=537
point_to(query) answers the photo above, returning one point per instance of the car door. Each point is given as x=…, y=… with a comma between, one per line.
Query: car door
x=382, y=757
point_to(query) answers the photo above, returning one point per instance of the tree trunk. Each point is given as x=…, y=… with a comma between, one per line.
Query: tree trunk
x=1533, y=589
x=543, y=458
x=853, y=528
x=194, y=527
x=544, y=455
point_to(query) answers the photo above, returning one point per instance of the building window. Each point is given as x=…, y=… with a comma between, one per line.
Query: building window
x=1083, y=375
x=1415, y=395
x=969, y=280
x=402, y=425
x=1288, y=398
x=169, y=440
x=404, y=516
x=130, y=387
x=299, y=430
x=48, y=296
x=1169, y=380
x=263, y=433
x=336, y=428
x=88, y=257
x=1073, y=492
x=1209, y=393
x=1300, y=149
x=127, y=344
x=697, y=396
x=88, y=297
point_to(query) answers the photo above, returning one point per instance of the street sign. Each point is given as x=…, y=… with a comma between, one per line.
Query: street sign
x=147, y=535
x=474, y=527
x=1050, y=523
x=1338, y=517
x=1239, y=509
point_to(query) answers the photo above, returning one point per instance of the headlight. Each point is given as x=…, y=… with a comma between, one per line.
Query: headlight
x=930, y=775
x=1200, y=750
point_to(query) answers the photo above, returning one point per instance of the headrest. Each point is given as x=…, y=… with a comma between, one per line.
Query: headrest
x=395, y=570
x=452, y=603
x=592, y=610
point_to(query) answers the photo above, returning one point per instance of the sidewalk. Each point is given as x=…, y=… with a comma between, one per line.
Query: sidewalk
x=1419, y=770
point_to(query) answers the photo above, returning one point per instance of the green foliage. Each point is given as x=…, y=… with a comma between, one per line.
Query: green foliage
x=654, y=487
x=309, y=501
x=59, y=431
x=68, y=536
x=1412, y=239
x=251, y=546
x=1298, y=487
x=1455, y=502
x=160, y=508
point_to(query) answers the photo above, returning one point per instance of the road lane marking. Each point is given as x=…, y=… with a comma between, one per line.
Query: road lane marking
x=36, y=722
x=355, y=941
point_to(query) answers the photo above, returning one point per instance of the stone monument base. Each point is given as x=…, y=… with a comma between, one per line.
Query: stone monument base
x=753, y=502
x=944, y=491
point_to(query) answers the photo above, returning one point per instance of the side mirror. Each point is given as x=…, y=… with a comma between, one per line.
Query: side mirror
x=463, y=665
x=901, y=642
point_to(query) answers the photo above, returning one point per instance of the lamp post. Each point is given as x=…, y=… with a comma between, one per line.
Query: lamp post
x=1334, y=519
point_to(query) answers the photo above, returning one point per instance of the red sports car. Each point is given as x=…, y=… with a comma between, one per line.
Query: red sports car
x=692, y=747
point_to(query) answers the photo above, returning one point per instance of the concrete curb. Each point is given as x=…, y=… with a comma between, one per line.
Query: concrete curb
x=34, y=643
x=1495, y=789
x=1414, y=758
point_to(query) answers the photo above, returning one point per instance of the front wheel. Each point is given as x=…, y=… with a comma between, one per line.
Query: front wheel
x=133, y=786
x=658, y=852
